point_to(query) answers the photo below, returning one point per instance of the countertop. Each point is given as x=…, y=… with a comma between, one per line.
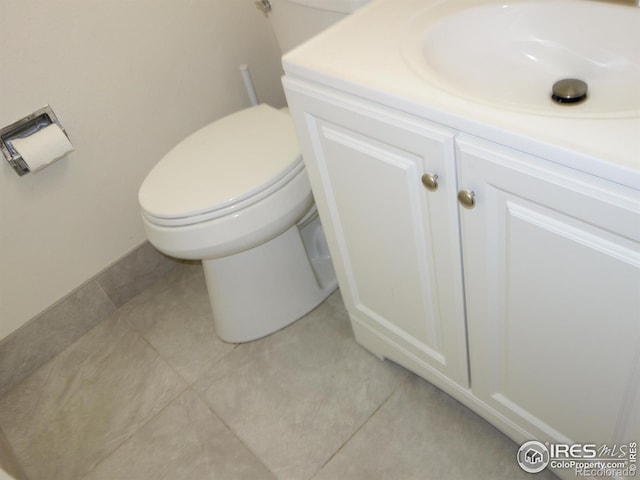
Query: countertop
x=362, y=55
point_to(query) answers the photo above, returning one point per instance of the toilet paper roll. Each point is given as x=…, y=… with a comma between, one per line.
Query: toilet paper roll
x=43, y=147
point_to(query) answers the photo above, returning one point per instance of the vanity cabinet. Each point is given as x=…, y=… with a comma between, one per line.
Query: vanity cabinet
x=541, y=335
x=552, y=276
x=393, y=238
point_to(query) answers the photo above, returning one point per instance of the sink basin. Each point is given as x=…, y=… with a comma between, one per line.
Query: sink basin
x=510, y=54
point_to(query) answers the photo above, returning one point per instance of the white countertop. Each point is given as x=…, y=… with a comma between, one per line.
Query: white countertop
x=362, y=56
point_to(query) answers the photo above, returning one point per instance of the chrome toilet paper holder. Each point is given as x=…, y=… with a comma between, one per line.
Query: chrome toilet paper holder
x=22, y=128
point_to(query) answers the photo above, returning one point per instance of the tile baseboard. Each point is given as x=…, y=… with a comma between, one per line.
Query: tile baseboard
x=49, y=333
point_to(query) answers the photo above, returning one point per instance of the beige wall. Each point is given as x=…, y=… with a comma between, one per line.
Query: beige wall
x=128, y=79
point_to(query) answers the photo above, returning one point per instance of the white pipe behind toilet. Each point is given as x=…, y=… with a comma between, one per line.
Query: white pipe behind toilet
x=248, y=84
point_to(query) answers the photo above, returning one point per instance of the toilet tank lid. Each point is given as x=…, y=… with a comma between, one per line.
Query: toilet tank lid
x=221, y=164
x=341, y=6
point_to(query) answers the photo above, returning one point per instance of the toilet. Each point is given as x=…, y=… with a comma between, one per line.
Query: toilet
x=235, y=194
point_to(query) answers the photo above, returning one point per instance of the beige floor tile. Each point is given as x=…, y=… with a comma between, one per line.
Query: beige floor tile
x=8, y=462
x=304, y=401
x=79, y=407
x=133, y=274
x=295, y=397
x=41, y=339
x=186, y=441
x=421, y=433
x=174, y=315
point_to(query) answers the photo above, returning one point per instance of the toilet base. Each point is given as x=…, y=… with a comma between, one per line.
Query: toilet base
x=261, y=290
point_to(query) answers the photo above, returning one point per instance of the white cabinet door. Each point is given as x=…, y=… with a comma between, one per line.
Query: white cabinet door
x=395, y=244
x=552, y=276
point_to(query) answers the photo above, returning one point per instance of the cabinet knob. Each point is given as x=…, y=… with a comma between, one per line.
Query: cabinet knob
x=467, y=198
x=430, y=181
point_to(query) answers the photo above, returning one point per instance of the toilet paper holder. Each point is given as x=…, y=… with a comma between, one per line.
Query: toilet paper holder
x=22, y=128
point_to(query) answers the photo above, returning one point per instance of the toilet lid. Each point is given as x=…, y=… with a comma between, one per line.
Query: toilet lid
x=226, y=162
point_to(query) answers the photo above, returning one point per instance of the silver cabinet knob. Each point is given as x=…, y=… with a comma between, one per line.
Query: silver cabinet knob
x=467, y=198
x=264, y=5
x=430, y=181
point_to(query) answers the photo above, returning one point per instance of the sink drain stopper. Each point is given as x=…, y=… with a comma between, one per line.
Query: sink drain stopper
x=569, y=90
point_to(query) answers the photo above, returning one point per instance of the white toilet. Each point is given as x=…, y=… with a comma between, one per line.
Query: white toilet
x=235, y=194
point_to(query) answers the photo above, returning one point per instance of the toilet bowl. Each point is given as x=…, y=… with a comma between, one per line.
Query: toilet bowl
x=235, y=195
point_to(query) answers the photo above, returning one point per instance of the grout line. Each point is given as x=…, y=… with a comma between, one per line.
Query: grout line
x=5, y=390
x=134, y=433
x=109, y=305
x=154, y=416
x=108, y=297
x=232, y=431
x=355, y=432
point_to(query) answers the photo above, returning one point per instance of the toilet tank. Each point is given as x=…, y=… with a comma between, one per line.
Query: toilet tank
x=295, y=21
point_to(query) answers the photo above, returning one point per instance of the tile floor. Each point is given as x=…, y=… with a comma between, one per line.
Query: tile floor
x=151, y=393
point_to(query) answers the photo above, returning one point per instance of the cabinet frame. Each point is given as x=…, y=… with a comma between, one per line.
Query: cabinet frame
x=541, y=228
x=356, y=122
x=403, y=148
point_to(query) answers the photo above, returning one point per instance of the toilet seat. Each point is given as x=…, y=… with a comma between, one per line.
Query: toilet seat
x=268, y=188
x=231, y=186
x=222, y=168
